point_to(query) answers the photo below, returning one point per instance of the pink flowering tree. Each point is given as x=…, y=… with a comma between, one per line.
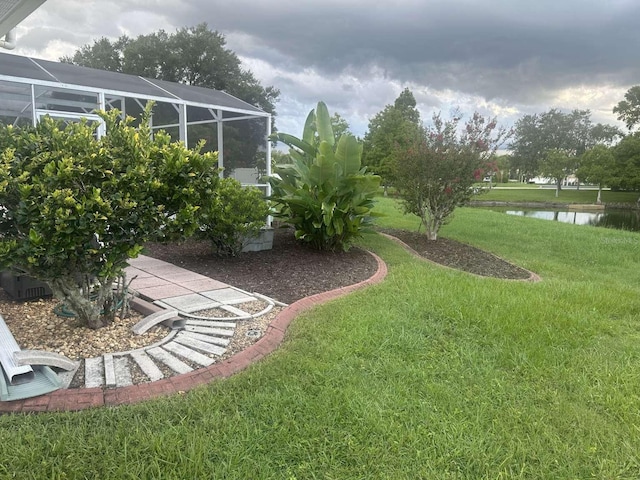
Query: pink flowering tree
x=439, y=167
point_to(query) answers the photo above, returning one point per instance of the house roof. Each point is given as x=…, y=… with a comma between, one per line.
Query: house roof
x=12, y=12
x=31, y=70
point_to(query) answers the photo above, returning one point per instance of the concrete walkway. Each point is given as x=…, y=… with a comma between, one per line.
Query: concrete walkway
x=186, y=357
x=196, y=340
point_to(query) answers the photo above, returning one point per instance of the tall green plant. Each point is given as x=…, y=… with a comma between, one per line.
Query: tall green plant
x=325, y=194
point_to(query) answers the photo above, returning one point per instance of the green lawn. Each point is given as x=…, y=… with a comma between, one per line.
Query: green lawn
x=433, y=374
x=534, y=193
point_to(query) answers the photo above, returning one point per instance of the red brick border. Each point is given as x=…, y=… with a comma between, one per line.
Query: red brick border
x=83, y=398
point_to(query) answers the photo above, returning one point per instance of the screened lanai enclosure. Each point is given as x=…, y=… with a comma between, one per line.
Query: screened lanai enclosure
x=31, y=88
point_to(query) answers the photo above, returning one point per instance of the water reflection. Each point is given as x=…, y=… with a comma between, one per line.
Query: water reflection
x=619, y=219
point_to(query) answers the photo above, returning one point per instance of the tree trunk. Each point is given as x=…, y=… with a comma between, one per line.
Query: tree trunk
x=599, y=199
x=432, y=229
x=558, y=188
x=94, y=313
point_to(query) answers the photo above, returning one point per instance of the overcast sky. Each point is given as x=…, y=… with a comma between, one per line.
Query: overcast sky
x=503, y=58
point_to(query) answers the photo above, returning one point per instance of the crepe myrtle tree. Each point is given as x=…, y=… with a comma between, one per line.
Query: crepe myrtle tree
x=439, y=167
x=76, y=208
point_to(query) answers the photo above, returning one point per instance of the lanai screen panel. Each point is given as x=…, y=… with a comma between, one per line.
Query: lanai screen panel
x=203, y=96
x=100, y=79
x=32, y=87
x=15, y=103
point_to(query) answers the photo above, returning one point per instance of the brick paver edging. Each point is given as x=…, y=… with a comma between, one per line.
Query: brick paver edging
x=82, y=398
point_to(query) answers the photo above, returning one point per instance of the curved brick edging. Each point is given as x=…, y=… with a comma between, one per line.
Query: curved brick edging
x=83, y=398
x=533, y=277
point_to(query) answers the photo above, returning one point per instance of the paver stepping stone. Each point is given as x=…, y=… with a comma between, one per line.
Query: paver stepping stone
x=210, y=323
x=181, y=276
x=109, y=370
x=148, y=366
x=189, y=354
x=205, y=338
x=209, y=330
x=188, y=341
x=142, y=262
x=135, y=272
x=203, y=285
x=241, y=314
x=123, y=373
x=163, y=291
x=189, y=303
x=228, y=296
x=93, y=372
x=169, y=360
x=146, y=282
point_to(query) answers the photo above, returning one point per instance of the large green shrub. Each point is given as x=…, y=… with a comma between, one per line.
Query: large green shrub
x=233, y=215
x=77, y=208
x=325, y=194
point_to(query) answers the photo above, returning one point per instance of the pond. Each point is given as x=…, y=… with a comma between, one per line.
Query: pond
x=619, y=219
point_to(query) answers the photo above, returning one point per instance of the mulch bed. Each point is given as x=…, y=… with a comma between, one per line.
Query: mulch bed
x=291, y=270
x=460, y=256
x=288, y=272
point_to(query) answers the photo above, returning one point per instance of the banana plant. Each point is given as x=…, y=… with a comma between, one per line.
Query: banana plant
x=325, y=194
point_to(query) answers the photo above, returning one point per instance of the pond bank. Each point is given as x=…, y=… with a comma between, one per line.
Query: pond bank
x=555, y=205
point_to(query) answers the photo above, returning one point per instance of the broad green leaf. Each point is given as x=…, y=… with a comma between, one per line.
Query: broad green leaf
x=323, y=124
x=35, y=238
x=349, y=154
x=292, y=141
x=321, y=172
x=327, y=212
x=309, y=133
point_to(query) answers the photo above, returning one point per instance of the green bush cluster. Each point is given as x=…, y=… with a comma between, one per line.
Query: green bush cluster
x=76, y=208
x=233, y=215
x=325, y=193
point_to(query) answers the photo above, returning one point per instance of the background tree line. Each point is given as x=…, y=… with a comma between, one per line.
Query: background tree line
x=555, y=144
x=194, y=56
x=552, y=144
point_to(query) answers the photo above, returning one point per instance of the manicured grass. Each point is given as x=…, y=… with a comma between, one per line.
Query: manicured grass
x=537, y=194
x=511, y=185
x=433, y=374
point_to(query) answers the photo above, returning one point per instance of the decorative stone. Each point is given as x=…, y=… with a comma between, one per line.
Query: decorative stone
x=41, y=357
x=151, y=320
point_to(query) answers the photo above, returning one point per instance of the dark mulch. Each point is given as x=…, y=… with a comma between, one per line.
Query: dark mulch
x=461, y=256
x=288, y=272
x=291, y=271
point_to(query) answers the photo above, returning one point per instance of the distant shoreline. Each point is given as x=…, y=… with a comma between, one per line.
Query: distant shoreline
x=555, y=205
